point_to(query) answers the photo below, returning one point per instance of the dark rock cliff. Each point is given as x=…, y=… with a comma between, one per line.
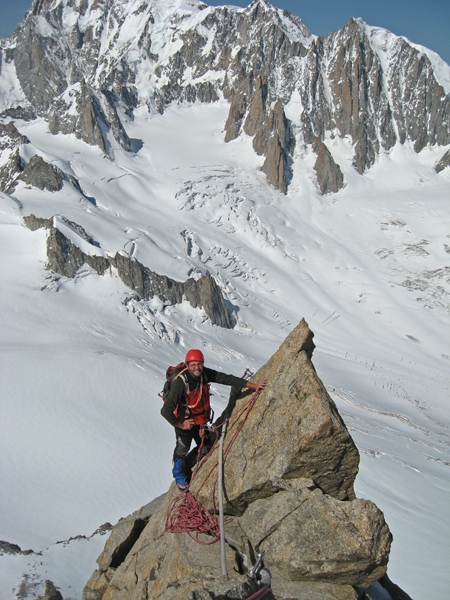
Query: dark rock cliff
x=13, y=164
x=42, y=175
x=329, y=174
x=443, y=163
x=66, y=258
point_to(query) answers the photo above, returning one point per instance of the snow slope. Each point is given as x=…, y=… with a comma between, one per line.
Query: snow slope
x=82, y=361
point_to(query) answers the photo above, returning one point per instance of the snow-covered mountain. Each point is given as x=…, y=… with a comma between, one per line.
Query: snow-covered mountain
x=80, y=65
x=307, y=176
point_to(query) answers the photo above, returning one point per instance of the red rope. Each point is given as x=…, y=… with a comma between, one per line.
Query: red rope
x=185, y=514
x=260, y=593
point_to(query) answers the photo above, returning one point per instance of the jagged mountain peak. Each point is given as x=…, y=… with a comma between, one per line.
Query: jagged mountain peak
x=291, y=25
x=84, y=65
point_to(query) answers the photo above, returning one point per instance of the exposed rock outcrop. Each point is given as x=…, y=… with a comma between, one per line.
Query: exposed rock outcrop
x=274, y=141
x=8, y=548
x=66, y=258
x=201, y=293
x=355, y=74
x=84, y=118
x=40, y=58
x=329, y=174
x=12, y=163
x=42, y=175
x=36, y=173
x=34, y=223
x=271, y=131
x=257, y=110
x=420, y=107
x=288, y=490
x=297, y=413
x=443, y=163
x=193, y=573
x=51, y=593
x=235, y=118
x=90, y=116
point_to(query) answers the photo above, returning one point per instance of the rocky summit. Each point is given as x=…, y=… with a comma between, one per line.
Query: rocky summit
x=288, y=492
x=85, y=67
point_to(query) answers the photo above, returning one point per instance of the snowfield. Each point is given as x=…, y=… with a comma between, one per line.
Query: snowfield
x=83, y=360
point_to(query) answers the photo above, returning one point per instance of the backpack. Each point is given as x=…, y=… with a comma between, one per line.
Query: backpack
x=173, y=373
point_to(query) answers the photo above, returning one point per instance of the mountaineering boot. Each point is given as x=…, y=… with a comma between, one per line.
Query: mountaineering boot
x=179, y=473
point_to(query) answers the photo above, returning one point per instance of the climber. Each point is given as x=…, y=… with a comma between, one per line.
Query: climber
x=187, y=407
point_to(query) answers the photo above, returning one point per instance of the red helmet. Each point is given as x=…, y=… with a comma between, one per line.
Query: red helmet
x=194, y=356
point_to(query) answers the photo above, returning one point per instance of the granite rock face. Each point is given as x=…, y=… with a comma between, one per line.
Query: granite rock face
x=66, y=258
x=288, y=491
x=329, y=174
x=296, y=528
x=270, y=130
x=81, y=70
x=35, y=173
x=296, y=432
x=274, y=141
x=42, y=175
x=12, y=163
x=443, y=163
x=91, y=116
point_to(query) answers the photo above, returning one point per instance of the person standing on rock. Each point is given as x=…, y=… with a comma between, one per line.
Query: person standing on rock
x=187, y=407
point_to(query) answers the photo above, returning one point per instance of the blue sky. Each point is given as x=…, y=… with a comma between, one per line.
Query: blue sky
x=425, y=22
